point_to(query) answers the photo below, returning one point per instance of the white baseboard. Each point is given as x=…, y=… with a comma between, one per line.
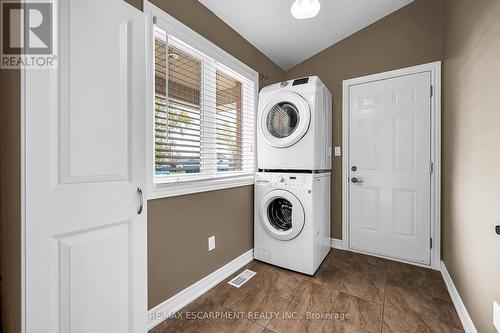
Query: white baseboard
x=337, y=244
x=162, y=311
x=457, y=301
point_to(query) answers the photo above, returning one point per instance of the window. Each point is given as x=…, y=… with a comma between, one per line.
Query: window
x=177, y=110
x=203, y=115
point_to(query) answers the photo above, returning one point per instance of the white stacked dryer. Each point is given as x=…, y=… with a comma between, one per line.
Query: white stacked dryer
x=292, y=187
x=294, y=126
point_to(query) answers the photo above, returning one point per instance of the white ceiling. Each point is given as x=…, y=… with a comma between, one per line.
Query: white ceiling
x=269, y=25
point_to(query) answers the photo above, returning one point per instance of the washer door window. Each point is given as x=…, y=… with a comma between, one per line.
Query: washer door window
x=285, y=119
x=282, y=215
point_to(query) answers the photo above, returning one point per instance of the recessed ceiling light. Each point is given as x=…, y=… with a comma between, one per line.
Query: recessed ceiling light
x=304, y=9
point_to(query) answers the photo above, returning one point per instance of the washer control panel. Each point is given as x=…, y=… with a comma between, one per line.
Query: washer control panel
x=284, y=180
x=289, y=181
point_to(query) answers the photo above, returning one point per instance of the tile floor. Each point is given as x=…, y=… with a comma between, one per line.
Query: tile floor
x=350, y=292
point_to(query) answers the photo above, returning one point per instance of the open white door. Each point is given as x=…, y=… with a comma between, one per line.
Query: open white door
x=389, y=167
x=85, y=253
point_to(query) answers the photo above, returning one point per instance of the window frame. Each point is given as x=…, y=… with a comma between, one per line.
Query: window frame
x=227, y=64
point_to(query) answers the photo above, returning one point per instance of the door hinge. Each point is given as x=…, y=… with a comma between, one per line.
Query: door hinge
x=432, y=91
x=431, y=242
x=431, y=168
x=155, y=20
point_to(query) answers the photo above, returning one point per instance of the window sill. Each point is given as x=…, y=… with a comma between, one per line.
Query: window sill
x=165, y=190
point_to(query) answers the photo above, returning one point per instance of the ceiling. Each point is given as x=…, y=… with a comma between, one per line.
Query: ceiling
x=270, y=27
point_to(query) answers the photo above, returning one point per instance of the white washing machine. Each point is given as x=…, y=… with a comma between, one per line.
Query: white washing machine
x=294, y=125
x=292, y=219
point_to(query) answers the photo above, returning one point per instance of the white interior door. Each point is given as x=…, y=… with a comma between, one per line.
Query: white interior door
x=390, y=155
x=85, y=159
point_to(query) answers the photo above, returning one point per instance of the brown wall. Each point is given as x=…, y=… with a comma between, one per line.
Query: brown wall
x=410, y=36
x=471, y=154
x=178, y=231
x=10, y=202
x=179, y=227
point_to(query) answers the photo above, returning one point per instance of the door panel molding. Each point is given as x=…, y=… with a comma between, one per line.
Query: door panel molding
x=434, y=69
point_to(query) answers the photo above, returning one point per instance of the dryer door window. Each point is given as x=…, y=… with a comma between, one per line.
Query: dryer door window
x=284, y=120
x=282, y=215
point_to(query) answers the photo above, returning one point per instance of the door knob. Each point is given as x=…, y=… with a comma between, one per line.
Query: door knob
x=357, y=180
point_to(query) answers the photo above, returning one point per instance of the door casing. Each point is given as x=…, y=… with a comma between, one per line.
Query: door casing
x=434, y=69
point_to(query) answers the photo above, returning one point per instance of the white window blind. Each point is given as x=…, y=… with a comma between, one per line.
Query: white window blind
x=204, y=115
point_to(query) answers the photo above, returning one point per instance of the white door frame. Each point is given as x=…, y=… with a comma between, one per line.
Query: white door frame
x=435, y=71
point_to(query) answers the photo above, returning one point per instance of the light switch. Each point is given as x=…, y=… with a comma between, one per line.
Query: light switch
x=338, y=151
x=211, y=243
x=496, y=315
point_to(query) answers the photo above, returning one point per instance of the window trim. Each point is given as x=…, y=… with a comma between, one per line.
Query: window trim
x=185, y=34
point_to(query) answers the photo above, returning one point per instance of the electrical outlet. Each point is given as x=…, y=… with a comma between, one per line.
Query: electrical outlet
x=211, y=243
x=338, y=151
x=496, y=315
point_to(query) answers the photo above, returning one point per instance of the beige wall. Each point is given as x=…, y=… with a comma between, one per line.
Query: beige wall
x=410, y=36
x=471, y=154
x=178, y=231
x=179, y=227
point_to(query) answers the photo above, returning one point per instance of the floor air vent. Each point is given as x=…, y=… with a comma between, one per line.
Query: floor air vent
x=242, y=278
